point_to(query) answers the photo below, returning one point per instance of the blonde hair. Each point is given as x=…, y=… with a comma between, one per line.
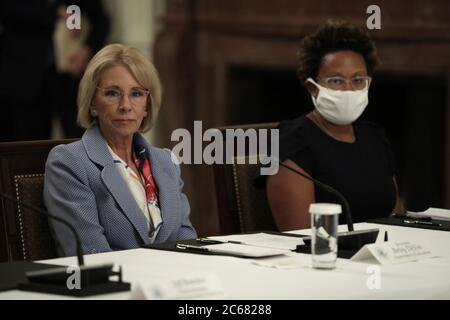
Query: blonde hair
x=139, y=66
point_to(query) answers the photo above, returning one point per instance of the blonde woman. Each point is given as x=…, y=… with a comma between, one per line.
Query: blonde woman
x=116, y=189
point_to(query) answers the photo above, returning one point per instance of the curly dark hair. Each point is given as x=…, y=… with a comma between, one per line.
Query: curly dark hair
x=334, y=36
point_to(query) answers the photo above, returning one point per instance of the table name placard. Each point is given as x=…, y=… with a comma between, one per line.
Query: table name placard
x=392, y=252
x=197, y=286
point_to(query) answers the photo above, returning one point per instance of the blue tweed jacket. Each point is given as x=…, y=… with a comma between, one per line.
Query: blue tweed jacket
x=84, y=187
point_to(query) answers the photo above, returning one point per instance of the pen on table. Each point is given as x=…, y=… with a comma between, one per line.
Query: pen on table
x=406, y=216
x=211, y=241
x=235, y=242
x=425, y=223
x=189, y=247
x=385, y=236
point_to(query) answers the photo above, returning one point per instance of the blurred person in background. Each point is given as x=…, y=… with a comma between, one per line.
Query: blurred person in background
x=32, y=90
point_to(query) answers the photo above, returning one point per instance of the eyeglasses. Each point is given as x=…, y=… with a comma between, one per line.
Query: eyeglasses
x=114, y=95
x=340, y=83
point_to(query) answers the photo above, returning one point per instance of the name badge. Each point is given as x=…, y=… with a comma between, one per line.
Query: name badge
x=392, y=252
x=197, y=286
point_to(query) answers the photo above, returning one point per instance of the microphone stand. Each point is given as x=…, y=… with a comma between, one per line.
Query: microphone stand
x=330, y=190
x=92, y=279
x=348, y=242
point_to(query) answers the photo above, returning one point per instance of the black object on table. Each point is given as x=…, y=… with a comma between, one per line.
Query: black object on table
x=441, y=225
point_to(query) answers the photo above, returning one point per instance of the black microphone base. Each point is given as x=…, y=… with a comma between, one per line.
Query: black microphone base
x=355, y=240
x=349, y=243
x=94, y=280
x=103, y=288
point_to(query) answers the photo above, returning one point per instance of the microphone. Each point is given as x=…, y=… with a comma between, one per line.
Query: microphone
x=141, y=152
x=348, y=242
x=92, y=279
x=40, y=211
x=331, y=190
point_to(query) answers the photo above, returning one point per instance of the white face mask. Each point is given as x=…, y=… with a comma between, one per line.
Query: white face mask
x=338, y=106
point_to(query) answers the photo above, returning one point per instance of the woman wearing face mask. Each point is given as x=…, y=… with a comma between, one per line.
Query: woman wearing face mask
x=330, y=144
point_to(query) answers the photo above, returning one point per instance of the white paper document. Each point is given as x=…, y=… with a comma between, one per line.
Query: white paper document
x=264, y=240
x=281, y=262
x=244, y=250
x=434, y=213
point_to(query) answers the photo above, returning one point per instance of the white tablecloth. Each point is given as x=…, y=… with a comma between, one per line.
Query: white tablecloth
x=242, y=279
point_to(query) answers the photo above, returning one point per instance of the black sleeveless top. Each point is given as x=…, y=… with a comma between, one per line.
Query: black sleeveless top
x=362, y=171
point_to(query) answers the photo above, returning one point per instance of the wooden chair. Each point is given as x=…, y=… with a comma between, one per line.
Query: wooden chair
x=242, y=206
x=25, y=234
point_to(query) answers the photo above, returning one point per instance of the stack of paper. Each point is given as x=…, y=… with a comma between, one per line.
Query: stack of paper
x=434, y=213
x=264, y=240
x=244, y=251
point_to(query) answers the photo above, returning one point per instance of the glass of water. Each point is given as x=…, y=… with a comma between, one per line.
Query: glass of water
x=324, y=230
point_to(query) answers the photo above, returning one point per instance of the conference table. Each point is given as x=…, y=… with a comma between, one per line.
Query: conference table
x=243, y=278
